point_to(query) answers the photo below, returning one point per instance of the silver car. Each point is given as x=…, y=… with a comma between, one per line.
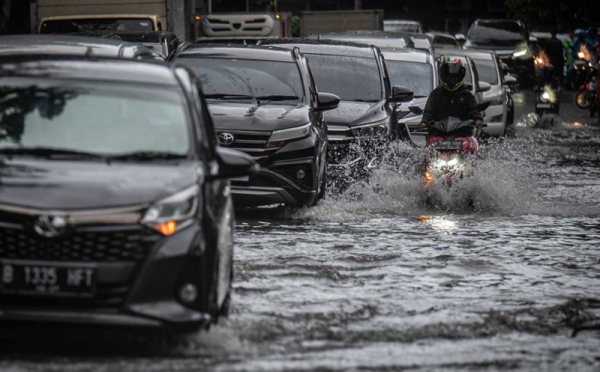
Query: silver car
x=416, y=70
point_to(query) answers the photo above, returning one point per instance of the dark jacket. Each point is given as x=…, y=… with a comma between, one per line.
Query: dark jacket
x=443, y=103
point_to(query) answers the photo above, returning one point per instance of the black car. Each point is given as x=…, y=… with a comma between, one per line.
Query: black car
x=264, y=102
x=115, y=204
x=163, y=43
x=366, y=119
x=511, y=42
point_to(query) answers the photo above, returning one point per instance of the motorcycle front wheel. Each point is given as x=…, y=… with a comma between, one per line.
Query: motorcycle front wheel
x=583, y=99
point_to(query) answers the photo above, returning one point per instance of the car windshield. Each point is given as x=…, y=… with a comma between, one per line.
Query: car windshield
x=224, y=78
x=98, y=118
x=414, y=75
x=487, y=70
x=67, y=26
x=350, y=78
x=445, y=41
x=503, y=31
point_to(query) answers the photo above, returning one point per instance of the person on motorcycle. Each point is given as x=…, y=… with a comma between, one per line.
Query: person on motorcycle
x=554, y=51
x=547, y=79
x=592, y=38
x=576, y=47
x=451, y=98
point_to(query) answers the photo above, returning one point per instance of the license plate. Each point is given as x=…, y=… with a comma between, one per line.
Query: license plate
x=447, y=145
x=544, y=105
x=49, y=279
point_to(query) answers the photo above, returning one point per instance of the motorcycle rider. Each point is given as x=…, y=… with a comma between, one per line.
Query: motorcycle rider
x=576, y=47
x=451, y=98
x=547, y=79
x=554, y=51
x=592, y=38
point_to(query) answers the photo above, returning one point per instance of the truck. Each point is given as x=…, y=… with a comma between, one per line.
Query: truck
x=323, y=22
x=242, y=26
x=130, y=15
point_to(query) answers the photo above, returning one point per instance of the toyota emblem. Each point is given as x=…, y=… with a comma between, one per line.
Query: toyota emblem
x=226, y=139
x=50, y=226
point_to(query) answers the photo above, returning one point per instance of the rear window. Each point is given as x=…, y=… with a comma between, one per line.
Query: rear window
x=350, y=78
x=501, y=30
x=68, y=26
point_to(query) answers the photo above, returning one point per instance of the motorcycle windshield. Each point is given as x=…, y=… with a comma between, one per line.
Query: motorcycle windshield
x=450, y=124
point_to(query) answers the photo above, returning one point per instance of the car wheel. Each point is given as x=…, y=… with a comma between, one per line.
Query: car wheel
x=583, y=99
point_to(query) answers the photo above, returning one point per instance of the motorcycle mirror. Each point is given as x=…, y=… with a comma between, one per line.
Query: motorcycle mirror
x=416, y=110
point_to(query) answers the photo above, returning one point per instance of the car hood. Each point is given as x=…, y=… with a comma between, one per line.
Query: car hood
x=250, y=116
x=354, y=113
x=75, y=185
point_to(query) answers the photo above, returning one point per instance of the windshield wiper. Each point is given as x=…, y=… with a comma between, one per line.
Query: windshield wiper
x=277, y=98
x=417, y=96
x=228, y=96
x=148, y=155
x=49, y=152
x=365, y=100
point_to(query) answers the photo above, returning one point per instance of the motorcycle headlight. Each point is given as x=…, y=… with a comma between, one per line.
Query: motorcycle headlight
x=173, y=213
x=581, y=55
x=279, y=136
x=545, y=97
x=452, y=162
x=376, y=129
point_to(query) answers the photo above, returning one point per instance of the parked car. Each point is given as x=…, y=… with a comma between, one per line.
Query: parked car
x=73, y=45
x=264, y=102
x=402, y=25
x=416, y=70
x=115, y=207
x=377, y=38
x=510, y=40
x=443, y=40
x=163, y=43
x=499, y=116
x=365, y=121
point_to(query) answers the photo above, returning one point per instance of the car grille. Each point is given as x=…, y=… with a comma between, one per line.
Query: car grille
x=131, y=245
x=253, y=143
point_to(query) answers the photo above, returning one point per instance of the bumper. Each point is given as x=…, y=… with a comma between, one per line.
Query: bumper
x=140, y=294
x=496, y=126
x=278, y=181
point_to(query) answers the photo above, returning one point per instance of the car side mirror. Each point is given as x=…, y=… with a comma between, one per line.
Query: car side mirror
x=484, y=87
x=460, y=38
x=415, y=110
x=401, y=94
x=510, y=80
x=327, y=101
x=233, y=164
x=533, y=39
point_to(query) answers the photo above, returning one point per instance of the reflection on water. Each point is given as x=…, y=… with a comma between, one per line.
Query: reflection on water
x=440, y=223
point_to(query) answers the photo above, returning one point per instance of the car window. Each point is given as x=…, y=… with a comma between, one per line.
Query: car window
x=502, y=31
x=487, y=70
x=350, y=78
x=252, y=78
x=414, y=75
x=445, y=41
x=92, y=117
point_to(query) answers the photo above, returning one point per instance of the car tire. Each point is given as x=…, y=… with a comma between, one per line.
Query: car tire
x=583, y=99
x=223, y=269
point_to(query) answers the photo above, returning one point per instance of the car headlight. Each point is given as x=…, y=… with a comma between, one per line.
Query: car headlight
x=278, y=137
x=521, y=53
x=173, y=213
x=376, y=129
x=495, y=100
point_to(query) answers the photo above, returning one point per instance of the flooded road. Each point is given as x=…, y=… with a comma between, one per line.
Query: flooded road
x=377, y=279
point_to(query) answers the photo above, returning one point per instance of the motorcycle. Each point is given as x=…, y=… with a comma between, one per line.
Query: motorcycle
x=586, y=97
x=581, y=69
x=454, y=155
x=546, y=101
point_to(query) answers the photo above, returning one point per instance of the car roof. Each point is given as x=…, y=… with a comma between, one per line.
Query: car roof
x=68, y=45
x=408, y=55
x=477, y=54
x=326, y=47
x=402, y=21
x=138, y=36
x=268, y=53
x=95, y=69
x=100, y=16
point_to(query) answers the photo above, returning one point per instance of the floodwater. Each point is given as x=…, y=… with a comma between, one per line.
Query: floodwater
x=377, y=279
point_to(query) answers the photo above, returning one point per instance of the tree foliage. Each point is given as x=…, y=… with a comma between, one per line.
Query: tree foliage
x=543, y=15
